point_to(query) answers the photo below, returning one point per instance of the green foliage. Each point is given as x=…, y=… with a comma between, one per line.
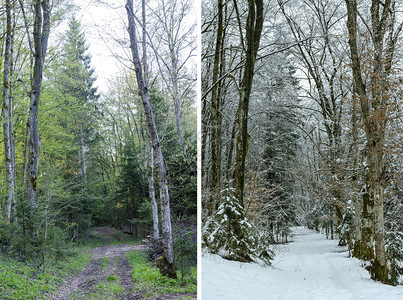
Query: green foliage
x=144, y=219
x=111, y=278
x=104, y=262
x=131, y=192
x=109, y=288
x=22, y=281
x=185, y=249
x=183, y=180
x=34, y=239
x=147, y=278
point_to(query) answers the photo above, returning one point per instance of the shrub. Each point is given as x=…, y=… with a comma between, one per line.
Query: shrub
x=229, y=234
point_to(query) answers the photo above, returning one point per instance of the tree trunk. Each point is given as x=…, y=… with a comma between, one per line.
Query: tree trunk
x=254, y=27
x=356, y=199
x=150, y=160
x=373, y=108
x=166, y=263
x=26, y=152
x=8, y=115
x=215, y=184
x=150, y=164
x=40, y=37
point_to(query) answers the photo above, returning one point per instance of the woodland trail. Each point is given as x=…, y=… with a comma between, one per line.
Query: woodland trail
x=309, y=268
x=107, y=260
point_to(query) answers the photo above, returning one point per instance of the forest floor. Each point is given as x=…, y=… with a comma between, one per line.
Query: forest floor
x=108, y=275
x=310, y=267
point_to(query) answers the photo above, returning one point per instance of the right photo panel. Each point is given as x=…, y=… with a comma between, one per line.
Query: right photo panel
x=301, y=149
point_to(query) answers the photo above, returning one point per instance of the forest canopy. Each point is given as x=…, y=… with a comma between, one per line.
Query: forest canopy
x=74, y=155
x=302, y=126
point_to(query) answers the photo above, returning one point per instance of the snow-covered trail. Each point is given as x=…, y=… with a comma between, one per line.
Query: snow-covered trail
x=311, y=268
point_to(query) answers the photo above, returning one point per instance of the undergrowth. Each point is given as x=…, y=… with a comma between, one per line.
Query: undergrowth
x=21, y=281
x=148, y=280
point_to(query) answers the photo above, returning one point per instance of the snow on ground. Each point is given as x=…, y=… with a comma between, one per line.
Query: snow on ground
x=311, y=268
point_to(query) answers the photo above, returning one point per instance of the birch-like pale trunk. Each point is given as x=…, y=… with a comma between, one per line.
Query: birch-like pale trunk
x=40, y=37
x=7, y=115
x=150, y=158
x=11, y=106
x=150, y=164
x=26, y=152
x=176, y=101
x=164, y=194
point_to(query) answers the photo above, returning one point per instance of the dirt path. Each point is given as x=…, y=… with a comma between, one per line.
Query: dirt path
x=108, y=264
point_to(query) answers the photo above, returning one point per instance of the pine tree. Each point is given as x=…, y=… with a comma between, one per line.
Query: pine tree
x=76, y=83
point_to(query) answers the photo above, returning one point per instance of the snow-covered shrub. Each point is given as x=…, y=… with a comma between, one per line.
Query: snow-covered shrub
x=346, y=227
x=394, y=233
x=394, y=255
x=229, y=234
x=313, y=220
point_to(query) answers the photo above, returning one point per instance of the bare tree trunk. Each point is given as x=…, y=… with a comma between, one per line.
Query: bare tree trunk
x=254, y=27
x=216, y=119
x=231, y=147
x=40, y=37
x=374, y=113
x=167, y=262
x=204, y=166
x=364, y=249
x=356, y=199
x=150, y=164
x=8, y=116
x=150, y=160
x=26, y=151
x=12, y=136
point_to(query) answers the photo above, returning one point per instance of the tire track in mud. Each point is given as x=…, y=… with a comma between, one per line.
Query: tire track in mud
x=82, y=285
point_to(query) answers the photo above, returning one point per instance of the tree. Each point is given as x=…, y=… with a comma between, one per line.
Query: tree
x=215, y=112
x=73, y=86
x=40, y=35
x=8, y=123
x=176, y=46
x=254, y=26
x=167, y=262
x=76, y=82
x=374, y=100
x=320, y=58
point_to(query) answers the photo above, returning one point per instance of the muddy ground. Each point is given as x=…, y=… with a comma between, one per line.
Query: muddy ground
x=108, y=260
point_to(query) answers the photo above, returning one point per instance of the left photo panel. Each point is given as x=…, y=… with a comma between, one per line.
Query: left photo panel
x=98, y=162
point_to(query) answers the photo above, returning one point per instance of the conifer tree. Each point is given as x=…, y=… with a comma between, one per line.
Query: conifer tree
x=76, y=83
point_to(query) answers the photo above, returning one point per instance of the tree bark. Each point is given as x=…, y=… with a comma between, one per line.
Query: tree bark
x=40, y=37
x=254, y=27
x=164, y=193
x=8, y=115
x=373, y=108
x=216, y=119
x=150, y=164
x=150, y=159
x=356, y=199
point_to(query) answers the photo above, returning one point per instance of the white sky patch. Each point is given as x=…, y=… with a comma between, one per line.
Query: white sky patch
x=102, y=24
